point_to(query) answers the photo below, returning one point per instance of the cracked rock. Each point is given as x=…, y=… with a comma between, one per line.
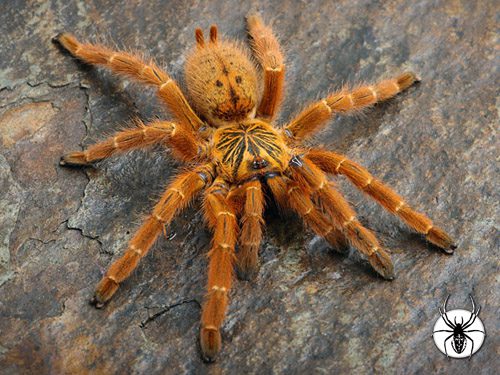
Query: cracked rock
x=310, y=309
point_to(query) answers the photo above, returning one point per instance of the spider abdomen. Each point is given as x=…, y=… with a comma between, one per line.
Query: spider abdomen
x=222, y=82
x=459, y=343
x=248, y=149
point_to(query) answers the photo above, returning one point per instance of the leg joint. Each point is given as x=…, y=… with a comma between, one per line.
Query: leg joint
x=158, y=218
x=374, y=250
x=374, y=92
x=181, y=194
x=112, y=278
x=349, y=221
x=226, y=213
x=210, y=327
x=221, y=289
x=292, y=189
x=163, y=85
x=337, y=168
x=368, y=182
x=325, y=103
x=111, y=58
x=400, y=206
x=135, y=250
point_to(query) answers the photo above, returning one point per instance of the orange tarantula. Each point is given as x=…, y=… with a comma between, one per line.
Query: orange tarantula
x=225, y=132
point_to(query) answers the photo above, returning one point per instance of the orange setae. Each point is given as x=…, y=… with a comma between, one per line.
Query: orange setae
x=224, y=129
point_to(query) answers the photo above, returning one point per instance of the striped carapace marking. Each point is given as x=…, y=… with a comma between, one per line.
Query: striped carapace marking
x=238, y=146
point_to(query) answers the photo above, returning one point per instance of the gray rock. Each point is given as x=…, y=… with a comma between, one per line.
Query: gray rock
x=310, y=310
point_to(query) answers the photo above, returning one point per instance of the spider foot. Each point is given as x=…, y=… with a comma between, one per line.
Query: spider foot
x=247, y=263
x=73, y=159
x=94, y=301
x=439, y=238
x=55, y=38
x=66, y=41
x=247, y=272
x=382, y=263
x=210, y=343
x=106, y=288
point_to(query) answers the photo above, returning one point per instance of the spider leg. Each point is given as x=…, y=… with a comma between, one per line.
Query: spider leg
x=135, y=67
x=444, y=313
x=251, y=230
x=442, y=330
x=177, y=196
x=472, y=318
x=335, y=237
x=474, y=330
x=474, y=306
x=268, y=53
x=446, y=320
x=305, y=207
x=316, y=115
x=445, y=350
x=331, y=162
x=472, y=348
x=306, y=174
x=222, y=220
x=182, y=142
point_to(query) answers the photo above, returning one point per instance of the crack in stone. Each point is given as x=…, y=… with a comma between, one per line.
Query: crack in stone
x=40, y=241
x=50, y=84
x=93, y=238
x=86, y=117
x=88, y=125
x=29, y=99
x=166, y=309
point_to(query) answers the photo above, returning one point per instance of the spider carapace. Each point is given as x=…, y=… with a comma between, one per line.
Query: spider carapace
x=226, y=131
x=247, y=150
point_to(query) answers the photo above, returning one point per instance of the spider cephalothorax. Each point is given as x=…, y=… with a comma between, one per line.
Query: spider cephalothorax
x=248, y=149
x=235, y=151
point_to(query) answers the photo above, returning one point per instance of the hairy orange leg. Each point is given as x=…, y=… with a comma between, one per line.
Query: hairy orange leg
x=333, y=235
x=177, y=196
x=300, y=201
x=334, y=163
x=267, y=51
x=182, y=142
x=251, y=230
x=314, y=117
x=222, y=220
x=310, y=177
x=134, y=67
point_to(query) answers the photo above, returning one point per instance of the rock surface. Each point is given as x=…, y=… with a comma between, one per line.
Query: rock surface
x=310, y=310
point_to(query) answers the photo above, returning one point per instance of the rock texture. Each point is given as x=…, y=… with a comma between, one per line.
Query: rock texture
x=310, y=310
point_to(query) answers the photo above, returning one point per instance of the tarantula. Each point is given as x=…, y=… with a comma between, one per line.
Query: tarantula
x=225, y=132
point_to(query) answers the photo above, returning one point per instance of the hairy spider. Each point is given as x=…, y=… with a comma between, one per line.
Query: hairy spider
x=225, y=132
